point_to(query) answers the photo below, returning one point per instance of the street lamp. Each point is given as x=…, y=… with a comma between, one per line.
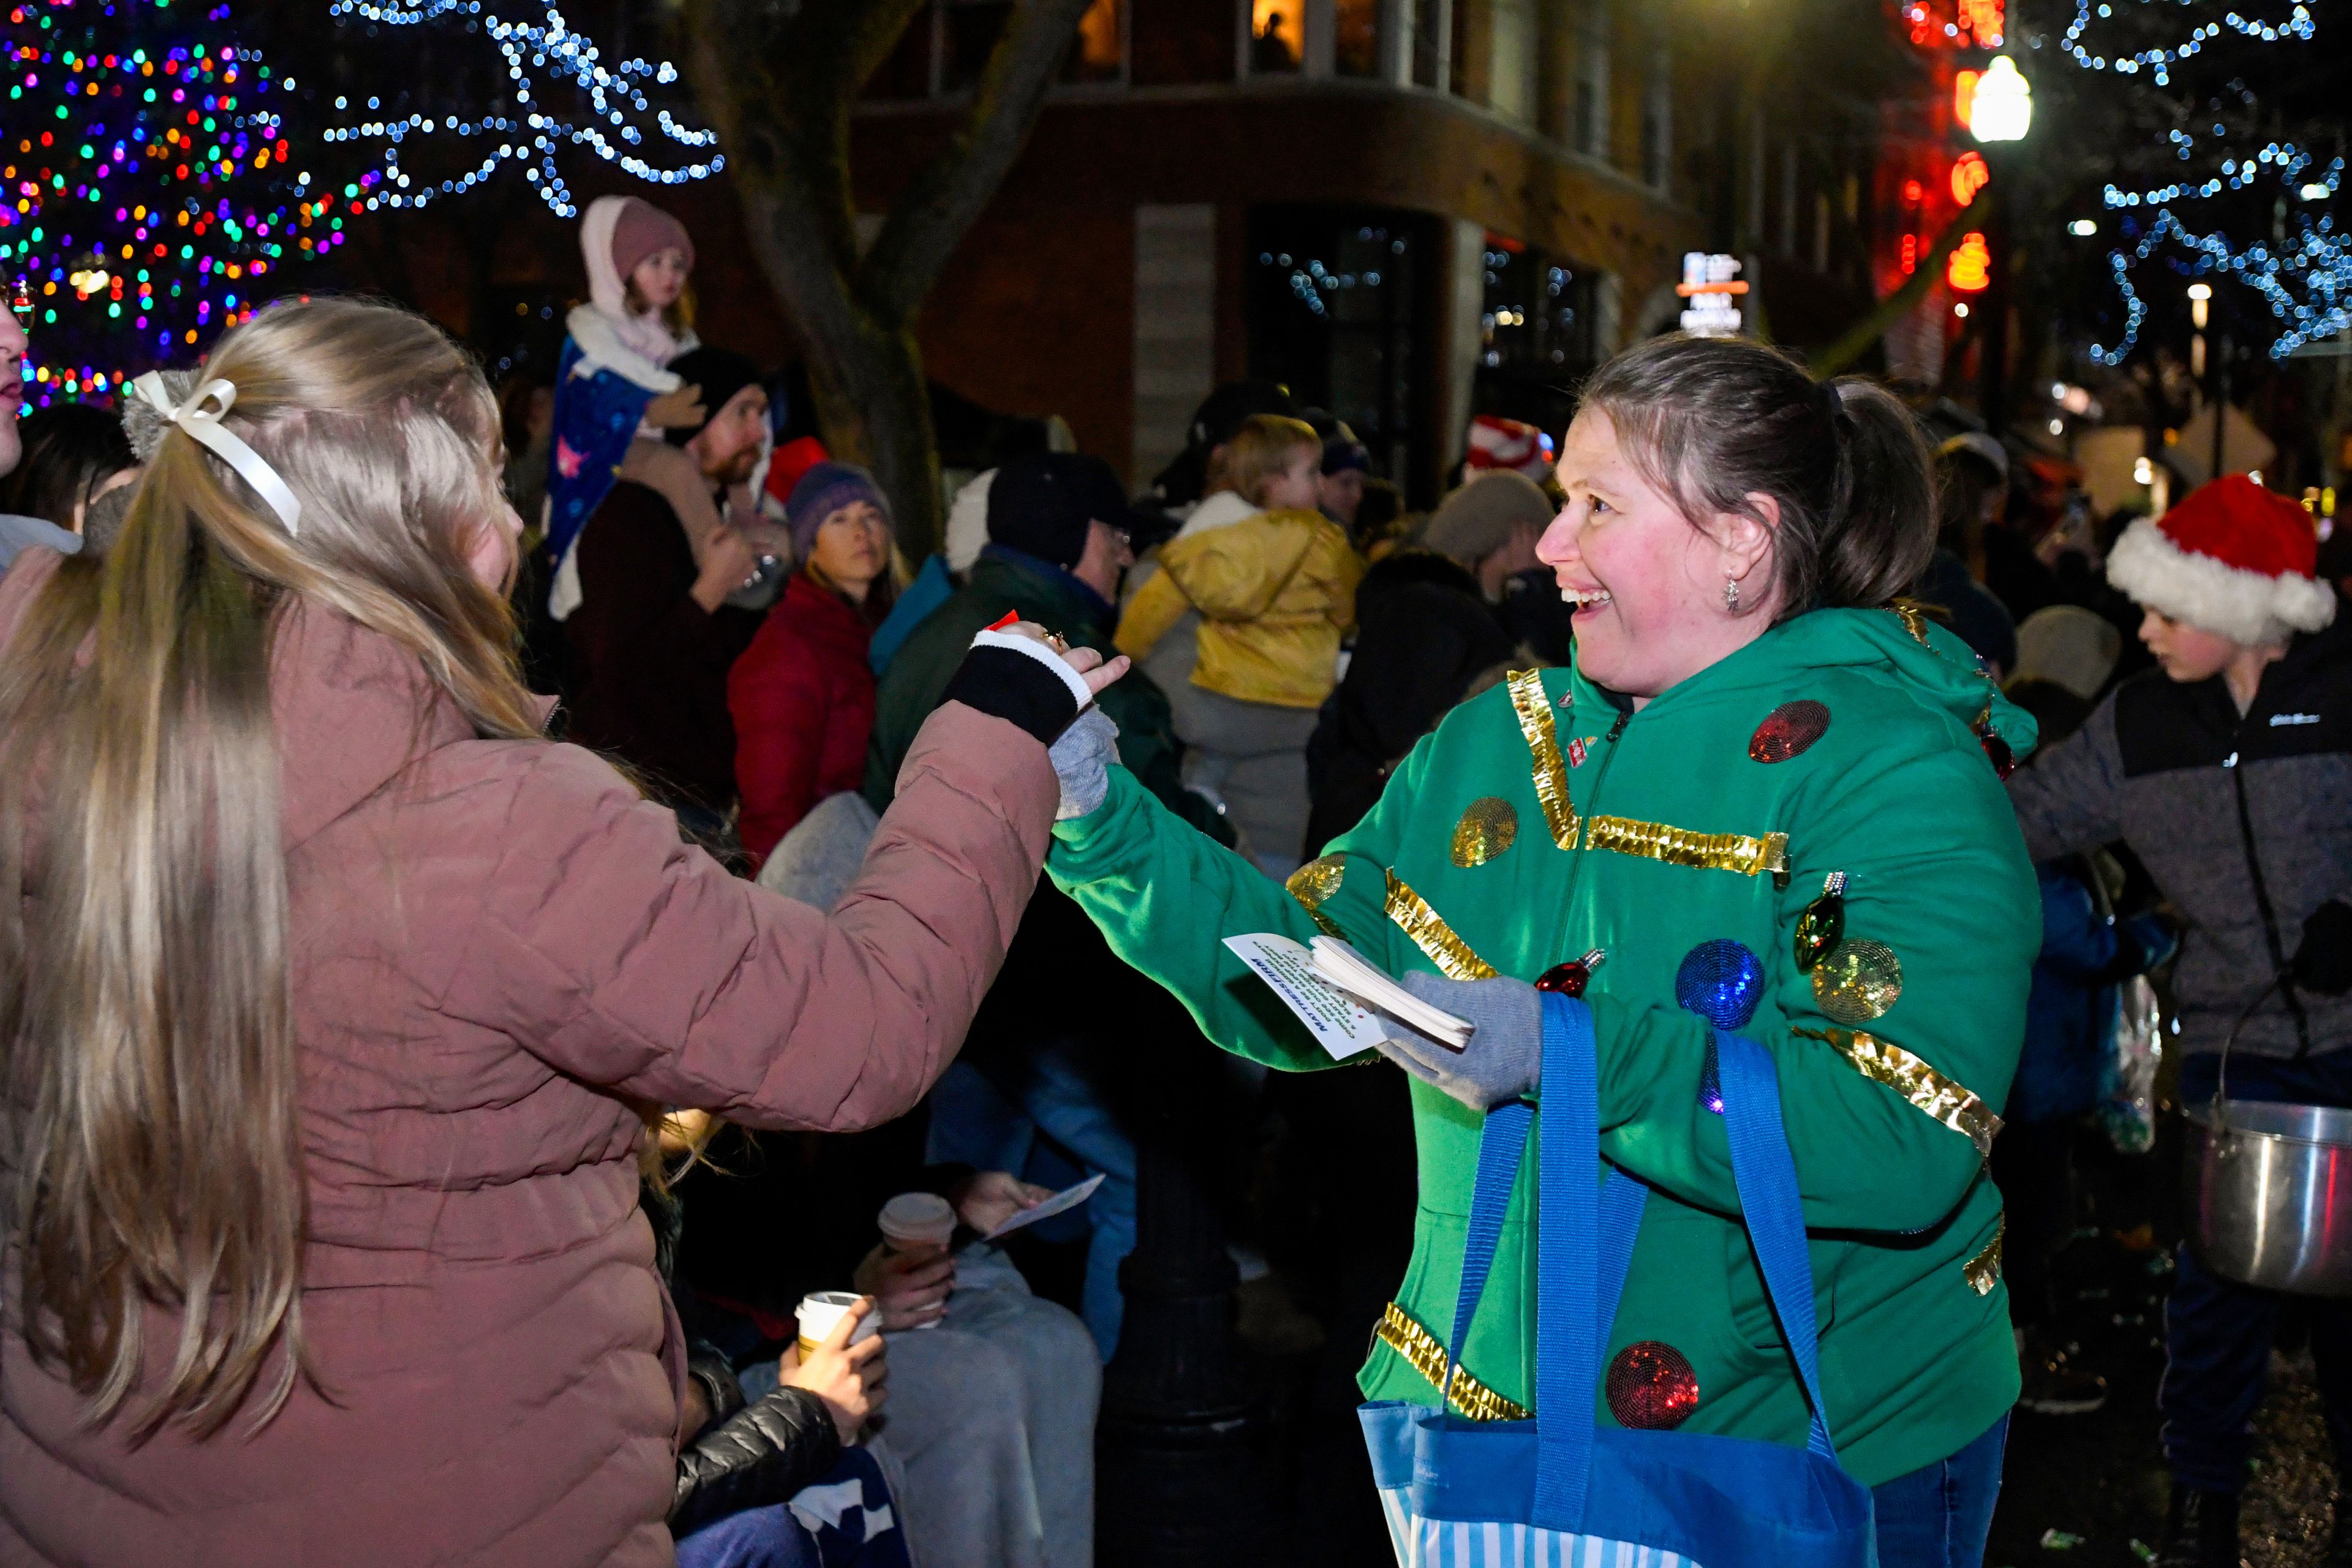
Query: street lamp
x=2200, y=300
x=2003, y=107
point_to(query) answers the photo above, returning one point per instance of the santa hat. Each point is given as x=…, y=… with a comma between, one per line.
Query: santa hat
x=2232, y=558
x=1511, y=444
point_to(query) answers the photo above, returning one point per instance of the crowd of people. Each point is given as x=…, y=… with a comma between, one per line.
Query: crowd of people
x=432, y=1142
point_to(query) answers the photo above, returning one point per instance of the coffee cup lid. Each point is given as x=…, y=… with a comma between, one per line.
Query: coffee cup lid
x=918, y=1216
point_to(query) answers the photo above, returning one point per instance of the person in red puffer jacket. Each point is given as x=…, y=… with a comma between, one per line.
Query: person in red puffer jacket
x=802, y=695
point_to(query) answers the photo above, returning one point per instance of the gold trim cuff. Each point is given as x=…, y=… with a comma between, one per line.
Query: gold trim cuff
x=1426, y=1356
x=1430, y=933
x=1951, y=1103
x=1313, y=883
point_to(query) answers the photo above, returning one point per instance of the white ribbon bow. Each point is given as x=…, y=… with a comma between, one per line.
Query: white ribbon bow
x=205, y=424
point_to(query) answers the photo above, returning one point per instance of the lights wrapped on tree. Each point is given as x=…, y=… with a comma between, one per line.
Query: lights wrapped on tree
x=147, y=196
x=610, y=114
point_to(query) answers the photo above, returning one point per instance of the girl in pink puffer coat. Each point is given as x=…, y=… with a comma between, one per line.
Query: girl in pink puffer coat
x=333, y=999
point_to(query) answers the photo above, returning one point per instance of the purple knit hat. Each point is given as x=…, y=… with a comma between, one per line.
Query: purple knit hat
x=823, y=491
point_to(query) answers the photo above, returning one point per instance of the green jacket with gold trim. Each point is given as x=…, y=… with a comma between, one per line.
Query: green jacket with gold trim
x=1541, y=820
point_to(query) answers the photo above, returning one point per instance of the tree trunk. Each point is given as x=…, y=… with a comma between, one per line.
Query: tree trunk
x=780, y=95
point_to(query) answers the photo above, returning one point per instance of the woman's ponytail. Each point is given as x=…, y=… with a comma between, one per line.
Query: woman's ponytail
x=1880, y=528
x=1713, y=423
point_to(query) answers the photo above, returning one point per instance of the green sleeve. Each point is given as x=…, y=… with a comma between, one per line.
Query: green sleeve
x=1148, y=747
x=1889, y=1117
x=1166, y=897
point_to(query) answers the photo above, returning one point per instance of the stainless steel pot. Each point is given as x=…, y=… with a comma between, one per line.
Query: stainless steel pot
x=2269, y=1190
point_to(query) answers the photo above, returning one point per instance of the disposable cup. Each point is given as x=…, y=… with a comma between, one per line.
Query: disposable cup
x=916, y=1222
x=819, y=1314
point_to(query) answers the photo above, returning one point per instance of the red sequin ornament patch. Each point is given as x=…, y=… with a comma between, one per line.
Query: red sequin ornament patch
x=1652, y=1387
x=1789, y=729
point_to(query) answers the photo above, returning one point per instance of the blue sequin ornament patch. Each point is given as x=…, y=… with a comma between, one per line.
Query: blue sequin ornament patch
x=1721, y=982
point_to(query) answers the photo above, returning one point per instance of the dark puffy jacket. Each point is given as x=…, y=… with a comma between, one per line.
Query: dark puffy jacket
x=749, y=1456
x=1424, y=632
x=2245, y=823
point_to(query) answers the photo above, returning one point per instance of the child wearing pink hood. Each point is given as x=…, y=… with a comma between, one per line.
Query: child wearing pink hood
x=613, y=395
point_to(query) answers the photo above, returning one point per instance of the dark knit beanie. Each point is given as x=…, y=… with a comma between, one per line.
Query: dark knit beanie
x=720, y=373
x=1041, y=504
x=824, y=490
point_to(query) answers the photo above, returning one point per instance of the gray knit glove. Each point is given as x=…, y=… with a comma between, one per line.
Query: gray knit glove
x=1082, y=755
x=1504, y=1057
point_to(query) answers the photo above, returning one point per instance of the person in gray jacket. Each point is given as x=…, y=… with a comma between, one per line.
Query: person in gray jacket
x=2228, y=770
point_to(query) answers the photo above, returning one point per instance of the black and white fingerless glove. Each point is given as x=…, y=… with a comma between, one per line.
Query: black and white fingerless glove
x=1008, y=676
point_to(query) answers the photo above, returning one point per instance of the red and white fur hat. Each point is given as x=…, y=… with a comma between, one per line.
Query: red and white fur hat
x=2232, y=558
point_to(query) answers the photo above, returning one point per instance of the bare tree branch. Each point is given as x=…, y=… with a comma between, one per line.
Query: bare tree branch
x=933, y=214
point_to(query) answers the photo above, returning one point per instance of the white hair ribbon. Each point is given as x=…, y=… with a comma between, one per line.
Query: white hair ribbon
x=205, y=424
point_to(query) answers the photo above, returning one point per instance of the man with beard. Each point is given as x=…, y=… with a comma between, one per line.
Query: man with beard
x=654, y=635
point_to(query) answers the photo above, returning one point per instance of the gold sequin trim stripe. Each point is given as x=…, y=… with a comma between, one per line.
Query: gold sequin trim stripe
x=1950, y=1104
x=1420, y=1348
x=1983, y=1271
x=1742, y=852
x=1313, y=883
x=1543, y=745
x=1432, y=935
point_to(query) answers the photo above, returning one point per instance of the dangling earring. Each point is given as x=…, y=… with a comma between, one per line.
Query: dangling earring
x=1731, y=595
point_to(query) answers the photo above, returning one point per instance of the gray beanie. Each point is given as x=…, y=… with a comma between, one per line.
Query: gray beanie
x=1480, y=517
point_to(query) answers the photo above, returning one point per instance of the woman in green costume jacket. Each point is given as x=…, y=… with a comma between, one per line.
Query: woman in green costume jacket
x=1760, y=744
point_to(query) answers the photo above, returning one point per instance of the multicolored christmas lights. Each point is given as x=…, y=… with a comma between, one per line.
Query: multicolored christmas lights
x=610, y=114
x=148, y=196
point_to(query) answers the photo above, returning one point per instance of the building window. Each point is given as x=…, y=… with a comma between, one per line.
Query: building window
x=1182, y=43
x=1336, y=302
x=1099, y=56
x=968, y=32
x=1433, y=25
x=1658, y=122
x=1535, y=325
x=1356, y=38
x=1277, y=36
x=1592, y=80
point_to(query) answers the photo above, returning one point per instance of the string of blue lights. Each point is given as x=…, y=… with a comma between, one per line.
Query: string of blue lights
x=2160, y=60
x=609, y=117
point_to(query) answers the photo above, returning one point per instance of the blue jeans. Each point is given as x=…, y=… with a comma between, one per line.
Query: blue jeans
x=843, y=1519
x=2217, y=1333
x=1940, y=1515
x=975, y=1123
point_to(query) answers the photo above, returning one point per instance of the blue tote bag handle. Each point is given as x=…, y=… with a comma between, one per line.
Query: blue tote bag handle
x=1586, y=1232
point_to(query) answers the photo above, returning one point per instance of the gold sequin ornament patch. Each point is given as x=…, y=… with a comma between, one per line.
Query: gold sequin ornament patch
x=1983, y=1271
x=1489, y=825
x=1316, y=882
x=1857, y=981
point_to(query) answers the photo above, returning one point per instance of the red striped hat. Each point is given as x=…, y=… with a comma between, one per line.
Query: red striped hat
x=2232, y=558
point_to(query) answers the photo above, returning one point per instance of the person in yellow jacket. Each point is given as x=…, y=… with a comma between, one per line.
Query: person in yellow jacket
x=1268, y=597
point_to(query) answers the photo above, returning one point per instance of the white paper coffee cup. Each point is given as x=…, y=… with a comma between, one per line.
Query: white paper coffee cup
x=819, y=1314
